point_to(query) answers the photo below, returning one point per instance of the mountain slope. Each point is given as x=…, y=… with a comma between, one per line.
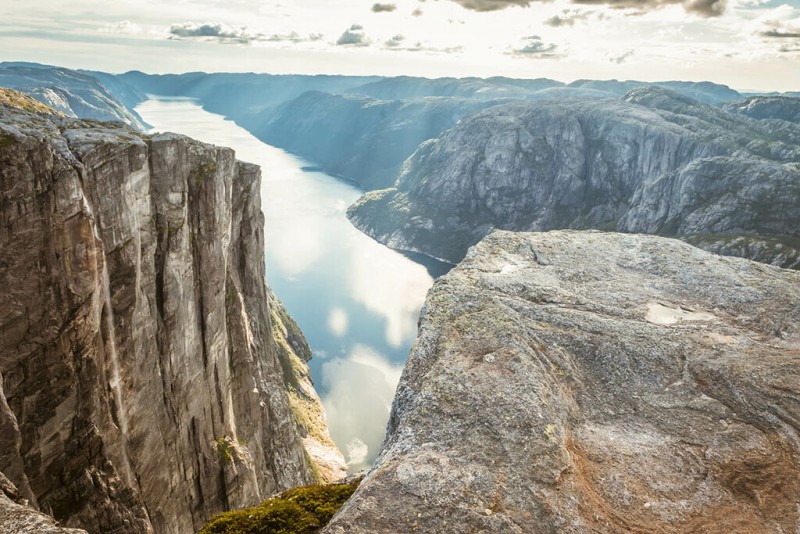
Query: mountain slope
x=143, y=377
x=593, y=164
x=76, y=94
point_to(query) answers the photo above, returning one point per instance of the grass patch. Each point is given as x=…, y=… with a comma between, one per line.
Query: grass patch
x=304, y=510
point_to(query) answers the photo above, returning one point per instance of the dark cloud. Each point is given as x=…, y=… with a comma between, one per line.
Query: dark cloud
x=221, y=33
x=383, y=8
x=704, y=8
x=780, y=34
x=353, y=36
x=395, y=41
x=622, y=57
x=567, y=18
x=210, y=30
x=534, y=47
x=416, y=13
x=491, y=5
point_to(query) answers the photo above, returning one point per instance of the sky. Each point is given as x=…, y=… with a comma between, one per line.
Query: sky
x=746, y=44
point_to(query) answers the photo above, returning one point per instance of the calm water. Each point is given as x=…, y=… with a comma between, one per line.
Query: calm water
x=356, y=300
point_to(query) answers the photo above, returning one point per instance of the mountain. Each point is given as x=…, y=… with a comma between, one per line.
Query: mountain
x=238, y=95
x=767, y=107
x=594, y=382
x=363, y=139
x=409, y=87
x=74, y=93
x=706, y=92
x=655, y=161
x=149, y=377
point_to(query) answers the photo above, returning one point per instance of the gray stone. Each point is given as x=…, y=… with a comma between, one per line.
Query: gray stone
x=142, y=385
x=594, y=382
x=655, y=162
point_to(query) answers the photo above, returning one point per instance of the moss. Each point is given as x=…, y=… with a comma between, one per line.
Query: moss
x=224, y=446
x=304, y=510
x=203, y=172
x=6, y=140
x=19, y=100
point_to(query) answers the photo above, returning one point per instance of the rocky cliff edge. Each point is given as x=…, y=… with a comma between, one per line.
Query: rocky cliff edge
x=595, y=382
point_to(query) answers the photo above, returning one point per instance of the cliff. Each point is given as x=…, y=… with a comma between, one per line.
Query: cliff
x=363, y=139
x=594, y=382
x=767, y=107
x=73, y=93
x=143, y=385
x=655, y=162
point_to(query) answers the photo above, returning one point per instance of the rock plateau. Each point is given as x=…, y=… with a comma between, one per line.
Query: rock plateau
x=595, y=382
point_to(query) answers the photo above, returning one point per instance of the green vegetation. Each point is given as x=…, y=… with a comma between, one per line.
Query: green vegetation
x=6, y=140
x=22, y=101
x=302, y=510
x=202, y=172
x=224, y=446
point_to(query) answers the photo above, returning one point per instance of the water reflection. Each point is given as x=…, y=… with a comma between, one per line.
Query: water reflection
x=356, y=300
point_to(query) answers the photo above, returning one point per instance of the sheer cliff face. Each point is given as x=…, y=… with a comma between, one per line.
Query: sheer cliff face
x=656, y=162
x=594, y=382
x=141, y=386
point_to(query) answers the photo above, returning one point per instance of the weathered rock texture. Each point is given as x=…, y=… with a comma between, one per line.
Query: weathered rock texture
x=656, y=162
x=783, y=108
x=595, y=382
x=76, y=94
x=142, y=388
x=16, y=517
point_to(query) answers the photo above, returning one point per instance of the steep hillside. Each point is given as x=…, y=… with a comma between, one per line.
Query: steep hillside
x=767, y=107
x=363, y=139
x=655, y=162
x=76, y=94
x=149, y=380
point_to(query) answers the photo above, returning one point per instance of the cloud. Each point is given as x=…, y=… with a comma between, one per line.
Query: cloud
x=536, y=48
x=781, y=35
x=779, y=23
x=416, y=13
x=704, y=8
x=360, y=389
x=211, y=31
x=621, y=57
x=353, y=36
x=125, y=26
x=383, y=8
x=568, y=17
x=337, y=322
x=395, y=41
x=491, y=5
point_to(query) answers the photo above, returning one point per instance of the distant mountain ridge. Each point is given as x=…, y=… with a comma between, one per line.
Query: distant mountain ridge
x=654, y=162
x=76, y=94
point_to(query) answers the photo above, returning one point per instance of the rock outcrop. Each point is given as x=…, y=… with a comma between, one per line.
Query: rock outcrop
x=16, y=517
x=595, y=382
x=73, y=93
x=143, y=387
x=767, y=107
x=655, y=162
x=363, y=139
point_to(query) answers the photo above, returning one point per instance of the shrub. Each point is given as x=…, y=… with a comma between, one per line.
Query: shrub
x=303, y=510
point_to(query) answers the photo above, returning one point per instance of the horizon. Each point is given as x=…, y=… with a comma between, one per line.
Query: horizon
x=749, y=45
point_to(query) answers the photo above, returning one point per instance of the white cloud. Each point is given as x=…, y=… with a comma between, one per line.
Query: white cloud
x=337, y=322
x=360, y=392
x=353, y=36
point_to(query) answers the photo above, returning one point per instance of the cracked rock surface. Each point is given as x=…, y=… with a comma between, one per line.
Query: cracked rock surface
x=595, y=382
x=141, y=387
